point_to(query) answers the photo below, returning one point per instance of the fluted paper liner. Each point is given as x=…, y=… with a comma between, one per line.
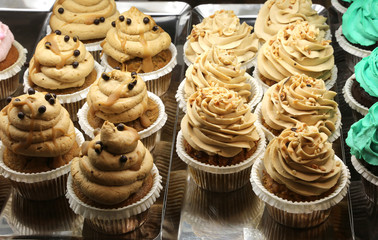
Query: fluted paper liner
x=256, y=93
x=300, y=207
x=352, y=102
x=329, y=83
x=365, y=173
x=344, y=44
x=16, y=67
x=269, y=135
x=338, y=6
x=148, y=132
x=90, y=212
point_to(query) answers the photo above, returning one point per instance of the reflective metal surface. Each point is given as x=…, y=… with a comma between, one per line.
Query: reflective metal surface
x=26, y=5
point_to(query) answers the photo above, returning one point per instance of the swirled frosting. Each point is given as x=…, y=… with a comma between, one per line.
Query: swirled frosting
x=363, y=137
x=366, y=72
x=118, y=97
x=88, y=20
x=218, y=122
x=275, y=14
x=303, y=160
x=217, y=67
x=114, y=166
x=6, y=40
x=135, y=35
x=298, y=48
x=222, y=29
x=60, y=62
x=36, y=125
x=300, y=99
x=360, y=22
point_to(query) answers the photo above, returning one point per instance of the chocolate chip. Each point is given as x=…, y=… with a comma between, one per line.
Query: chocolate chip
x=133, y=74
x=21, y=115
x=75, y=39
x=155, y=28
x=105, y=77
x=61, y=10
x=31, y=91
x=121, y=18
x=48, y=96
x=54, y=95
x=52, y=101
x=120, y=127
x=75, y=64
x=99, y=147
x=294, y=129
x=308, y=85
x=42, y=109
x=9, y=99
x=113, y=24
x=130, y=86
x=123, y=159
x=102, y=19
x=76, y=53
x=17, y=100
x=128, y=21
x=146, y=20
x=66, y=38
x=98, y=150
x=117, y=68
x=48, y=45
x=96, y=21
x=57, y=32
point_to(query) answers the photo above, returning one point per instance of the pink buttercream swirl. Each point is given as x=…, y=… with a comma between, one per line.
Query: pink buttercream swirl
x=6, y=41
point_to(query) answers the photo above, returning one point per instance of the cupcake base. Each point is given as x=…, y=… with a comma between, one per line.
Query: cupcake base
x=352, y=102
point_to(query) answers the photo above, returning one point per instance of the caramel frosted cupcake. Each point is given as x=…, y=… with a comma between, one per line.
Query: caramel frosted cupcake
x=300, y=99
x=88, y=20
x=275, y=15
x=298, y=48
x=39, y=141
x=122, y=97
x=222, y=29
x=115, y=182
x=218, y=139
x=300, y=178
x=63, y=66
x=219, y=67
x=137, y=44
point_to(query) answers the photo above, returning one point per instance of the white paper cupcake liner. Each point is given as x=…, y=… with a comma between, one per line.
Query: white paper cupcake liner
x=147, y=135
x=365, y=173
x=269, y=135
x=344, y=44
x=328, y=83
x=106, y=215
x=338, y=6
x=300, y=207
x=352, y=102
x=16, y=67
x=256, y=93
x=39, y=186
x=220, y=179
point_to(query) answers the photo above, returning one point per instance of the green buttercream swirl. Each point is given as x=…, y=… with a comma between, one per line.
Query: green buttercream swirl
x=366, y=72
x=360, y=22
x=363, y=137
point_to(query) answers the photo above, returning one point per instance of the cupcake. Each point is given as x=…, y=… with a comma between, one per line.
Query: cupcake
x=122, y=97
x=362, y=140
x=88, y=20
x=300, y=178
x=219, y=68
x=12, y=58
x=222, y=29
x=358, y=34
x=137, y=44
x=298, y=48
x=218, y=139
x=114, y=182
x=299, y=98
x=361, y=89
x=38, y=143
x=63, y=66
x=275, y=15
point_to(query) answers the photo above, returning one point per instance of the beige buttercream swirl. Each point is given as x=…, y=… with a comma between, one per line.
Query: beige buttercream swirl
x=121, y=98
x=141, y=38
x=29, y=131
x=297, y=48
x=275, y=14
x=79, y=18
x=217, y=68
x=114, y=166
x=60, y=64
x=218, y=122
x=222, y=29
x=300, y=99
x=302, y=160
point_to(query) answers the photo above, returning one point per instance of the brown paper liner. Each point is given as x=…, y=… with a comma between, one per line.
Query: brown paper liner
x=8, y=86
